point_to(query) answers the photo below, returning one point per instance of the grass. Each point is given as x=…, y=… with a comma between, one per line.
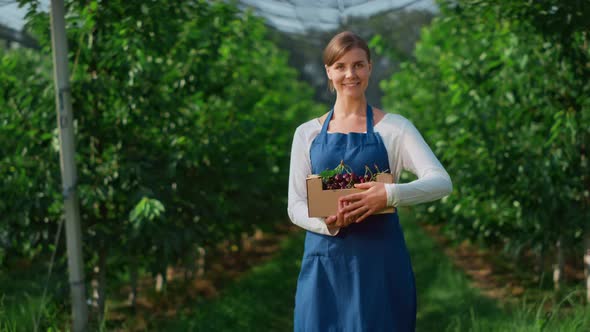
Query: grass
x=260, y=301
x=23, y=314
x=444, y=295
x=21, y=302
x=263, y=299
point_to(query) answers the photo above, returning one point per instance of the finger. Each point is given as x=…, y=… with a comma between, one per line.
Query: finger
x=348, y=218
x=364, y=216
x=341, y=205
x=340, y=214
x=352, y=197
x=352, y=220
x=352, y=206
x=330, y=219
x=344, y=221
x=365, y=185
x=339, y=218
x=354, y=214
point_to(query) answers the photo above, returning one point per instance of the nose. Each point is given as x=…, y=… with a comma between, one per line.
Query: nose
x=350, y=72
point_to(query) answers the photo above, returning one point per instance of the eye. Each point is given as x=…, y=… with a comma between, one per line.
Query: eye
x=339, y=66
x=360, y=65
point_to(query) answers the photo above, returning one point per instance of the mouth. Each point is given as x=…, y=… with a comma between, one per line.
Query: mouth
x=351, y=84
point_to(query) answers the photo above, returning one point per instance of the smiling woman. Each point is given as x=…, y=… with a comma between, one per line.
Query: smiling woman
x=356, y=273
x=350, y=74
x=348, y=63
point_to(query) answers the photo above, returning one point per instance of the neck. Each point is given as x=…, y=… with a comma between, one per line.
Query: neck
x=345, y=107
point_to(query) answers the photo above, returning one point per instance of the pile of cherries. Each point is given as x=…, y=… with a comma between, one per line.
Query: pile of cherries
x=342, y=177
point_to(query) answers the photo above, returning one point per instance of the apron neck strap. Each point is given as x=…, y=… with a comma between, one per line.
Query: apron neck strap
x=369, y=119
x=327, y=121
x=369, y=115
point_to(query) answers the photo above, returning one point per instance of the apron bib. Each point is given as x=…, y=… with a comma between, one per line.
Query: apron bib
x=362, y=278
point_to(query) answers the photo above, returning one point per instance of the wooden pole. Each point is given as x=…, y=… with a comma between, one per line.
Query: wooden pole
x=68, y=166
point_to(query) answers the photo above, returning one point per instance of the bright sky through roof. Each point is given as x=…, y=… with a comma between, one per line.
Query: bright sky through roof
x=300, y=15
x=14, y=17
x=287, y=15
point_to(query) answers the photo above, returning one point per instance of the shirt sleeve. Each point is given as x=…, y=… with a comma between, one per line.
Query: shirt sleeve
x=416, y=156
x=299, y=169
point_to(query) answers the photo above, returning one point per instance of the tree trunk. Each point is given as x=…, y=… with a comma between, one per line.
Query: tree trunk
x=189, y=271
x=133, y=294
x=558, y=266
x=587, y=265
x=99, y=284
x=540, y=263
x=162, y=279
x=159, y=282
x=102, y=284
x=201, y=262
x=196, y=264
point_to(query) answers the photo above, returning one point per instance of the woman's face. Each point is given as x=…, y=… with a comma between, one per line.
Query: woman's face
x=350, y=74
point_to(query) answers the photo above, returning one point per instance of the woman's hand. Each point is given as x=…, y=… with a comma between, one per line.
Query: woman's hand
x=357, y=207
x=338, y=219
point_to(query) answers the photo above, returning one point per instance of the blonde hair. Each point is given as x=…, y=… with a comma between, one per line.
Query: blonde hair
x=339, y=45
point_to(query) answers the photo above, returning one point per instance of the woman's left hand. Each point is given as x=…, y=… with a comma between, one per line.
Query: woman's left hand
x=357, y=207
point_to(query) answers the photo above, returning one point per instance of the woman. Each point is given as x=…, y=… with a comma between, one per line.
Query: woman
x=356, y=273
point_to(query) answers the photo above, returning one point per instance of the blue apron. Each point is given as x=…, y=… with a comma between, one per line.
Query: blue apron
x=361, y=279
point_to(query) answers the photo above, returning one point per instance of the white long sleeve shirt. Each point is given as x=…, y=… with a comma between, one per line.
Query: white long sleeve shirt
x=406, y=150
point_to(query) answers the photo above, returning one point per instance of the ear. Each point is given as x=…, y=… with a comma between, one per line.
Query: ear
x=370, y=67
x=328, y=73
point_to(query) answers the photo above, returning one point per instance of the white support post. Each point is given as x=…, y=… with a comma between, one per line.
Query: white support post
x=68, y=166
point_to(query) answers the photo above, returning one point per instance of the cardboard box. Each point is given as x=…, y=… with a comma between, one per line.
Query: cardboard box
x=324, y=203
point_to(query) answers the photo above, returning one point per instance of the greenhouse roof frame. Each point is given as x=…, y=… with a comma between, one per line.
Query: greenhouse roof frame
x=300, y=16
x=292, y=16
